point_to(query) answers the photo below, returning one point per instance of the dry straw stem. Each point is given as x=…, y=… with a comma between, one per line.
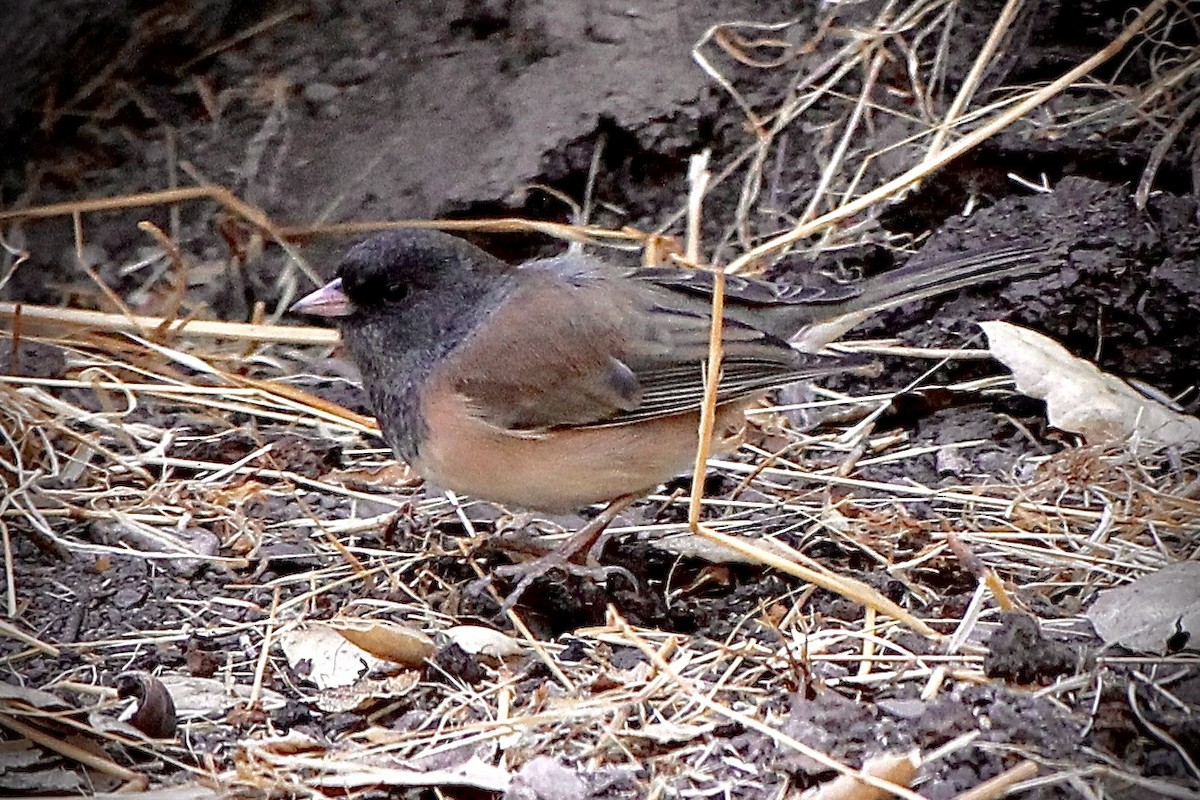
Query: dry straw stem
x=934, y=161
x=847, y=587
x=970, y=84
x=848, y=136
x=57, y=318
x=264, y=655
x=1159, y=153
x=862, y=51
x=583, y=234
x=240, y=36
x=13, y=632
x=134, y=780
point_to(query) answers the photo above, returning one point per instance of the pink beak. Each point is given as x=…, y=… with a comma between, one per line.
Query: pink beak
x=328, y=301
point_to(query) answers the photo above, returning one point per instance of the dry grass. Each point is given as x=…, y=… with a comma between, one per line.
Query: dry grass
x=108, y=440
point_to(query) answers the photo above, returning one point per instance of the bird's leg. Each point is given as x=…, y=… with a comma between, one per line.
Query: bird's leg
x=582, y=541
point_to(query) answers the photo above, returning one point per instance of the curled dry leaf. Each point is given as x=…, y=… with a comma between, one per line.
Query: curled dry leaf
x=388, y=640
x=153, y=709
x=1083, y=399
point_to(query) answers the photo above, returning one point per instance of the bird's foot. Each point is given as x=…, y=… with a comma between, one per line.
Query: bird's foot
x=530, y=571
x=589, y=540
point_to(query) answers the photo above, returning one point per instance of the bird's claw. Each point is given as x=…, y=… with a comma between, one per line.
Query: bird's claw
x=530, y=571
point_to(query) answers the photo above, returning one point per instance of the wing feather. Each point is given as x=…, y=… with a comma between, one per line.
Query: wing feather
x=587, y=347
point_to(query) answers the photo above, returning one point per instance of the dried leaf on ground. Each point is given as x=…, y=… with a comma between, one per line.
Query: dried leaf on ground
x=203, y=697
x=1154, y=612
x=1083, y=399
x=481, y=641
x=898, y=769
x=325, y=657
x=402, y=644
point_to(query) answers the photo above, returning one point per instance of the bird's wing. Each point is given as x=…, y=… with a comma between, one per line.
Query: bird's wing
x=812, y=316
x=748, y=292
x=593, y=348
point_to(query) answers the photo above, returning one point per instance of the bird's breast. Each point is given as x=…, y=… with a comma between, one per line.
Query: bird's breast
x=559, y=470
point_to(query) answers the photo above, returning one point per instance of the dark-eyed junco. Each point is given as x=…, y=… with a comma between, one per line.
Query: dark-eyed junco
x=569, y=381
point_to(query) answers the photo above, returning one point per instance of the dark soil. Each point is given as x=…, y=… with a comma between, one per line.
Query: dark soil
x=364, y=111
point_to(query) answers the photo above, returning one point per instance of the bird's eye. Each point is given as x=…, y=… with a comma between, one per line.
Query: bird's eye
x=395, y=292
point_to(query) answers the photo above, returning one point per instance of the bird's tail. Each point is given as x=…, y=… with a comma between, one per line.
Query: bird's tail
x=917, y=281
x=929, y=278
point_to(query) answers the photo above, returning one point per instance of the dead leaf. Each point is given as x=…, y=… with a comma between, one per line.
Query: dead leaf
x=391, y=477
x=401, y=644
x=153, y=709
x=294, y=742
x=480, y=641
x=34, y=698
x=544, y=777
x=196, y=697
x=1083, y=399
x=1153, y=612
x=56, y=780
x=366, y=692
x=897, y=769
x=324, y=656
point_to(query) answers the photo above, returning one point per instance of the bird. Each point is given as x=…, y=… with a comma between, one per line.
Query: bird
x=569, y=381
